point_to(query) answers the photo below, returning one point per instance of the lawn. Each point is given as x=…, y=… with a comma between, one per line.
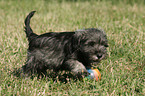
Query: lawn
x=123, y=72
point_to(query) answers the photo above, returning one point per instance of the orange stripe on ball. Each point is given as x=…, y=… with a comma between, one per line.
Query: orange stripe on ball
x=96, y=74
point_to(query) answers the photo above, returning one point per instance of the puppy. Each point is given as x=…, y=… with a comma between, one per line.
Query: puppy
x=71, y=51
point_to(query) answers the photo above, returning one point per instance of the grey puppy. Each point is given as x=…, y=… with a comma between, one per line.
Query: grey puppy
x=71, y=51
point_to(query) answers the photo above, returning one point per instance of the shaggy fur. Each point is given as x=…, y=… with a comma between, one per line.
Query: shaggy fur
x=71, y=51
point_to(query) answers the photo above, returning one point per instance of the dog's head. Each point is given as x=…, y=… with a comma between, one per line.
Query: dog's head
x=92, y=44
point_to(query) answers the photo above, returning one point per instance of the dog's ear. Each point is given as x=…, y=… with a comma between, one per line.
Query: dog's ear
x=76, y=40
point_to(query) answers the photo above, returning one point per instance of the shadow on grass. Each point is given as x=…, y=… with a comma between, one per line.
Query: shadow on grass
x=61, y=76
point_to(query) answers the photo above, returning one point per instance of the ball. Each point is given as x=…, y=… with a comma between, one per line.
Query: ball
x=94, y=74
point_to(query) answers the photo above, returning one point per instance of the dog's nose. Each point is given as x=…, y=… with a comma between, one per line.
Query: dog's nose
x=95, y=58
x=99, y=55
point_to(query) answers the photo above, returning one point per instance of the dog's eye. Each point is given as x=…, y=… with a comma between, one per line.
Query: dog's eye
x=91, y=43
x=106, y=45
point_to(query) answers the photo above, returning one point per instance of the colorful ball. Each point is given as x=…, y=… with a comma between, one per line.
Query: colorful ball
x=94, y=74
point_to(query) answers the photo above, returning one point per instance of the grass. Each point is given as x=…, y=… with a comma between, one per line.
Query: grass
x=123, y=72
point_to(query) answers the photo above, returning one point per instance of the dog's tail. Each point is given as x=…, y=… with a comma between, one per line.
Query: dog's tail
x=28, y=30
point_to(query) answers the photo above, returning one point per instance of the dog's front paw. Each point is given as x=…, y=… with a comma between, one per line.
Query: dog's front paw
x=76, y=67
